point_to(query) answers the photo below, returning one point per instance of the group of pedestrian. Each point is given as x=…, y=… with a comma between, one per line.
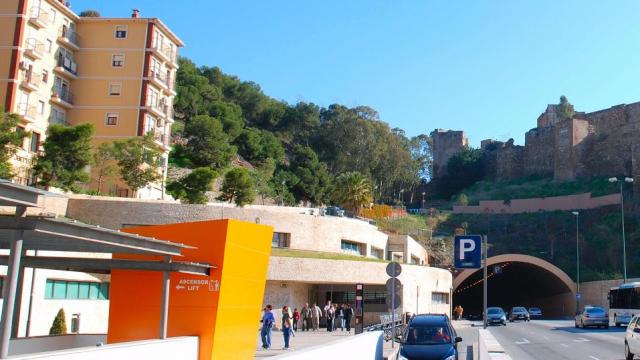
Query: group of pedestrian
x=457, y=312
x=309, y=318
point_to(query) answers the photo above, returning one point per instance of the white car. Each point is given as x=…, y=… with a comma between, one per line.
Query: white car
x=632, y=339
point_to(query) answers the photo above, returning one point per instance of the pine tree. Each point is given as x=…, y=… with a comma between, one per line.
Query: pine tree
x=59, y=326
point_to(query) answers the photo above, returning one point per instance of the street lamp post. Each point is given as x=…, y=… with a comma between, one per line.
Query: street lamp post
x=577, y=214
x=282, y=195
x=423, y=194
x=624, y=241
x=401, y=197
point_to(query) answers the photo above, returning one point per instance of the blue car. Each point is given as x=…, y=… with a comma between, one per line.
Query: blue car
x=429, y=337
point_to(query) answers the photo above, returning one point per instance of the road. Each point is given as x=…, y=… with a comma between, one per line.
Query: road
x=559, y=339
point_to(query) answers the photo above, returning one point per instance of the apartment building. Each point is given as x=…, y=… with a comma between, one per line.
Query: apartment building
x=115, y=73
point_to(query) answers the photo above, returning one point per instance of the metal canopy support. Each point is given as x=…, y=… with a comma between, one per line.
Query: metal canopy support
x=15, y=253
x=93, y=265
x=164, y=308
x=16, y=310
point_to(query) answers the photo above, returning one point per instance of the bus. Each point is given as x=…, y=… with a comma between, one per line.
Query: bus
x=624, y=302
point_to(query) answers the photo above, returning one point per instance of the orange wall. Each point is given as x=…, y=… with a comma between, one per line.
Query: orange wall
x=225, y=319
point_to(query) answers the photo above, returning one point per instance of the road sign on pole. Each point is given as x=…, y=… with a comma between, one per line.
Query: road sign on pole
x=484, y=281
x=467, y=251
x=359, y=328
x=393, y=284
x=393, y=270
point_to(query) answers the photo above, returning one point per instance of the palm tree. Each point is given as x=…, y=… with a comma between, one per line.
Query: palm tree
x=352, y=191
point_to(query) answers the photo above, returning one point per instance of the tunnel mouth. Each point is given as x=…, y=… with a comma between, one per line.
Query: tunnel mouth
x=514, y=283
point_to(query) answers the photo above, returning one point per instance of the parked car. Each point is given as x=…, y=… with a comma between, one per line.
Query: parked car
x=592, y=316
x=535, y=312
x=495, y=315
x=632, y=339
x=519, y=313
x=334, y=211
x=429, y=337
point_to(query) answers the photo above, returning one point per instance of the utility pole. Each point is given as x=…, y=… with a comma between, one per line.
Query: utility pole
x=624, y=240
x=578, y=295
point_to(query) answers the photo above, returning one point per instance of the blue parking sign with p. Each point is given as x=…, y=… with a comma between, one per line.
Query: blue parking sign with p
x=468, y=251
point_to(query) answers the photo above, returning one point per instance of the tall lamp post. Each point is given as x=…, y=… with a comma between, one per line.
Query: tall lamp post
x=577, y=214
x=423, y=194
x=624, y=241
x=401, y=197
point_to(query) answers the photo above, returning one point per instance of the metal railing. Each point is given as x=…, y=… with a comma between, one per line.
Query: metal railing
x=36, y=13
x=68, y=64
x=27, y=110
x=29, y=78
x=167, y=51
x=63, y=93
x=67, y=33
x=36, y=46
x=158, y=75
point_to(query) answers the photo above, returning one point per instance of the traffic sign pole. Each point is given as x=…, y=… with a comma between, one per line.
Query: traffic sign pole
x=484, y=291
x=393, y=311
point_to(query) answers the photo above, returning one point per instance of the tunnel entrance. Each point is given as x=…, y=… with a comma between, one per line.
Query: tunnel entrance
x=517, y=280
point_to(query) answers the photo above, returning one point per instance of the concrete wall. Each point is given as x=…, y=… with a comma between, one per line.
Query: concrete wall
x=170, y=349
x=596, y=292
x=308, y=232
x=52, y=343
x=366, y=346
x=516, y=206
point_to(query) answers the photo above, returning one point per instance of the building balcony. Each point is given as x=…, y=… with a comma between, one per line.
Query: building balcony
x=28, y=112
x=166, y=54
x=30, y=81
x=159, y=80
x=62, y=96
x=39, y=18
x=34, y=49
x=54, y=120
x=66, y=67
x=68, y=38
x=158, y=109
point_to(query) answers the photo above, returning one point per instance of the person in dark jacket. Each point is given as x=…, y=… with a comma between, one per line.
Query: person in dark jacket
x=348, y=314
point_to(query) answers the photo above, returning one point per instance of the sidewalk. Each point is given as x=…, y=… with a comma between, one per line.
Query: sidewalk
x=302, y=339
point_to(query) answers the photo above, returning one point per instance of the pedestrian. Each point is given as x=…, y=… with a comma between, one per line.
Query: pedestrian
x=267, y=324
x=461, y=312
x=340, y=316
x=348, y=314
x=456, y=312
x=306, y=318
x=316, y=314
x=296, y=318
x=329, y=313
x=286, y=327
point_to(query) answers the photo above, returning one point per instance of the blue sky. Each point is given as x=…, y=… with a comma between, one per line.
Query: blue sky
x=486, y=67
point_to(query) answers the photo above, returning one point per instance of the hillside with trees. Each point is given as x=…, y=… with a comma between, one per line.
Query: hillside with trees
x=297, y=151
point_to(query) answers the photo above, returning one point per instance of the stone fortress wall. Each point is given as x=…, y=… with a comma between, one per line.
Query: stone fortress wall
x=600, y=143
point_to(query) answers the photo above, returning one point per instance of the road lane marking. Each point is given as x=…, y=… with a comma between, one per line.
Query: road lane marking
x=565, y=345
x=593, y=357
x=581, y=339
x=524, y=341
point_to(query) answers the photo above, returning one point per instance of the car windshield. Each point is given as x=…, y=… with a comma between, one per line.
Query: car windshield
x=519, y=310
x=534, y=309
x=595, y=311
x=494, y=311
x=428, y=335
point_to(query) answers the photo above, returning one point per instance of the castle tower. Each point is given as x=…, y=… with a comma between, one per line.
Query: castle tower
x=446, y=143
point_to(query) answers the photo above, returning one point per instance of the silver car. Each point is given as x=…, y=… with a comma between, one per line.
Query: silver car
x=632, y=339
x=592, y=316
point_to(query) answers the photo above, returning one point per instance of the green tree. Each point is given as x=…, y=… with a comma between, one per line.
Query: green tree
x=237, y=187
x=352, y=191
x=90, y=13
x=230, y=115
x=463, y=169
x=281, y=184
x=10, y=140
x=257, y=146
x=193, y=187
x=207, y=144
x=67, y=151
x=261, y=177
x=566, y=109
x=314, y=178
x=104, y=165
x=59, y=326
x=138, y=160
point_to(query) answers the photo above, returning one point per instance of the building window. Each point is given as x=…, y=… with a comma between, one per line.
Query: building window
x=40, y=107
x=117, y=60
x=49, y=46
x=280, y=240
x=352, y=247
x=76, y=290
x=377, y=253
x=415, y=260
x=115, y=89
x=349, y=297
x=121, y=31
x=112, y=119
x=439, y=298
x=35, y=142
x=57, y=116
x=45, y=76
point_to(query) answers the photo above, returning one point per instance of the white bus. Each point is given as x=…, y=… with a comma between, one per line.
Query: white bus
x=624, y=302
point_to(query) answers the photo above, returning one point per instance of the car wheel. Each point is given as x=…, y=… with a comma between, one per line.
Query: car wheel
x=627, y=354
x=576, y=325
x=582, y=324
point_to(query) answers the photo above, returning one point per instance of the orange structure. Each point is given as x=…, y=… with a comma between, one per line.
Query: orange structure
x=223, y=309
